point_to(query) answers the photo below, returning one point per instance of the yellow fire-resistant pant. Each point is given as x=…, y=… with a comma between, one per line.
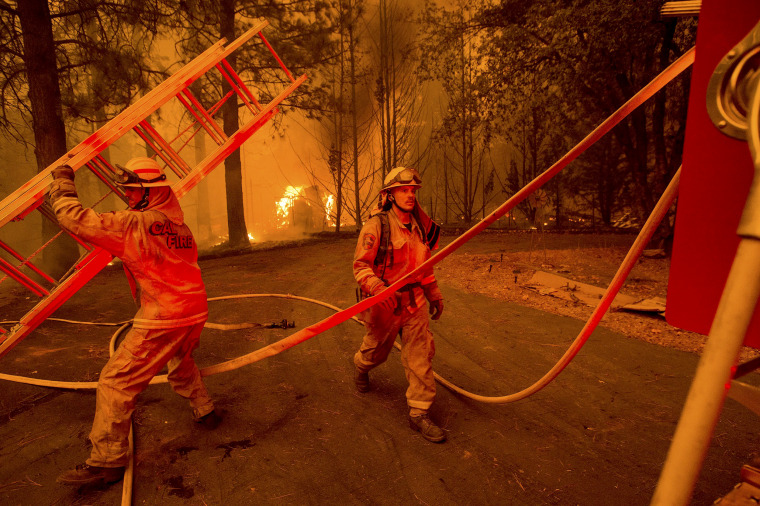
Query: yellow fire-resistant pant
x=140, y=357
x=417, y=350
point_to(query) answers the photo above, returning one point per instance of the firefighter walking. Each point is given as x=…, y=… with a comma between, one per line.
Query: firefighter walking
x=391, y=244
x=160, y=260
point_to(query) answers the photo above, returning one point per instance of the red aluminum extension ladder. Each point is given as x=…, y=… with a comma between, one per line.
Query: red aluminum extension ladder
x=30, y=196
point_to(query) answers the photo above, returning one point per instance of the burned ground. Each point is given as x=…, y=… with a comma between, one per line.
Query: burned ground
x=296, y=432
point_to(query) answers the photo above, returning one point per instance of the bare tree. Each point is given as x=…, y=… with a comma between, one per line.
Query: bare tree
x=345, y=131
x=465, y=133
x=397, y=87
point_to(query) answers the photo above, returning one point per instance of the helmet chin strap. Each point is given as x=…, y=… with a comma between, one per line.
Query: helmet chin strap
x=143, y=200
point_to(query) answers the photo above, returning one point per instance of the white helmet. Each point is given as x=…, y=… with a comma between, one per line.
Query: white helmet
x=402, y=176
x=141, y=172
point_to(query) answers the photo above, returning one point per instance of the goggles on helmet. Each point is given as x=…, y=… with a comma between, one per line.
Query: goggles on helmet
x=404, y=177
x=124, y=176
x=407, y=176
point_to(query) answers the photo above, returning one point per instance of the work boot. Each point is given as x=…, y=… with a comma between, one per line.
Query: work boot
x=85, y=474
x=210, y=420
x=427, y=428
x=361, y=380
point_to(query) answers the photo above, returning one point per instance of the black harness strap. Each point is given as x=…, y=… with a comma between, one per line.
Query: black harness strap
x=384, y=249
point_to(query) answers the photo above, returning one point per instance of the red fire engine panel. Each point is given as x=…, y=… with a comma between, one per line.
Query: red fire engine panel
x=717, y=171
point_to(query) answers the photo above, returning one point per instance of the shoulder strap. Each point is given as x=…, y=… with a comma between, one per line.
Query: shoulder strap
x=384, y=240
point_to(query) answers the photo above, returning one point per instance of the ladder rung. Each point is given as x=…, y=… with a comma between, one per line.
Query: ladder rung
x=276, y=57
x=237, y=86
x=195, y=107
x=171, y=159
x=48, y=213
x=168, y=150
x=96, y=169
x=26, y=261
x=210, y=112
x=212, y=132
x=22, y=278
x=237, y=78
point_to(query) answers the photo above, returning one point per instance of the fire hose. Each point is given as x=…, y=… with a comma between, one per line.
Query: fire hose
x=645, y=93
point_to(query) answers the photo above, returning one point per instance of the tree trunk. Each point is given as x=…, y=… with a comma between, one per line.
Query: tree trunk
x=47, y=116
x=338, y=122
x=393, y=87
x=386, y=51
x=233, y=173
x=557, y=201
x=339, y=143
x=354, y=127
x=205, y=229
x=665, y=230
x=465, y=111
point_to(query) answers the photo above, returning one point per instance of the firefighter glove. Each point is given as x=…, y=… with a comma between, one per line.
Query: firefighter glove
x=63, y=171
x=436, y=308
x=62, y=187
x=432, y=292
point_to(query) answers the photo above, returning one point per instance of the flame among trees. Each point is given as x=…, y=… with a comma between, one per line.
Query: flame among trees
x=306, y=209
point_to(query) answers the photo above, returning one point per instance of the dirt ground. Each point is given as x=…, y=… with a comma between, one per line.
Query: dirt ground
x=296, y=431
x=505, y=274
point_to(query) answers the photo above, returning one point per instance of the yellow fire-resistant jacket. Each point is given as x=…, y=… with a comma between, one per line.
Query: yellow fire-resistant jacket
x=157, y=248
x=409, y=251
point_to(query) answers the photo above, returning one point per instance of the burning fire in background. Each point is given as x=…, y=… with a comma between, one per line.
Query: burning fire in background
x=285, y=205
x=305, y=207
x=329, y=207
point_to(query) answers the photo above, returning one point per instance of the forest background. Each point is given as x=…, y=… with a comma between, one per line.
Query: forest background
x=479, y=96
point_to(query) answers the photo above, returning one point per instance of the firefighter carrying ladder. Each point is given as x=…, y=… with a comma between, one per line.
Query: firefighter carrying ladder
x=30, y=196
